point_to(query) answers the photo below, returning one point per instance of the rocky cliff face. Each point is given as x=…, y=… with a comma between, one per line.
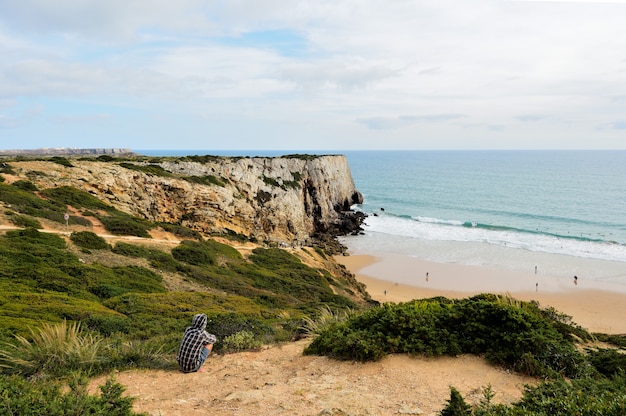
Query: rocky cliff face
x=277, y=199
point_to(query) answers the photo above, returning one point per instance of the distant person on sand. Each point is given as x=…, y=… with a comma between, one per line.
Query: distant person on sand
x=195, y=346
x=576, y=280
x=427, y=276
x=535, y=269
x=537, y=287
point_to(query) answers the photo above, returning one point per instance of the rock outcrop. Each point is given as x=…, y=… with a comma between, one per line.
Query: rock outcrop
x=283, y=199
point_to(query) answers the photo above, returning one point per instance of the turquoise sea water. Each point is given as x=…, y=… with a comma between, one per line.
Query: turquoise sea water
x=562, y=210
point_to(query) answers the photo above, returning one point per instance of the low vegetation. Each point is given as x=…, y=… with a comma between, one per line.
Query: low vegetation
x=508, y=333
x=43, y=397
x=73, y=307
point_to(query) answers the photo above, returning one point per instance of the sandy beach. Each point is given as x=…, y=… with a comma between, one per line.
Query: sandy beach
x=596, y=306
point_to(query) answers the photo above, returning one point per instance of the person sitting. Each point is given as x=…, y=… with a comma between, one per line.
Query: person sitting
x=195, y=346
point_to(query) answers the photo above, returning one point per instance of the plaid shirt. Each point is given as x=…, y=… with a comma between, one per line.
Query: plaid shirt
x=194, y=340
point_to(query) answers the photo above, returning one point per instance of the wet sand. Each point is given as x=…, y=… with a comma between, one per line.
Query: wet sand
x=596, y=306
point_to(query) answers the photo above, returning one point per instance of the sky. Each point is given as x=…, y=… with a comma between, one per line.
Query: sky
x=313, y=75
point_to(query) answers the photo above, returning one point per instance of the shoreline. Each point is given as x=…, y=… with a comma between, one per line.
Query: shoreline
x=595, y=306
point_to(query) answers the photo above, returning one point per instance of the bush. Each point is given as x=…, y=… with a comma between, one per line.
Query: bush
x=77, y=198
x=61, y=161
x=151, y=169
x=516, y=335
x=89, y=240
x=608, y=362
x=194, y=253
x=123, y=224
x=32, y=237
x=180, y=231
x=25, y=202
x=585, y=397
x=456, y=405
x=25, y=185
x=24, y=397
x=206, y=180
x=241, y=341
x=130, y=250
x=26, y=222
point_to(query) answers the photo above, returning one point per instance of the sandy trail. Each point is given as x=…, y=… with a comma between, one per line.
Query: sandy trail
x=281, y=381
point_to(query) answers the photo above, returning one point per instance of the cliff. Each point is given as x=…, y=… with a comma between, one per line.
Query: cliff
x=283, y=199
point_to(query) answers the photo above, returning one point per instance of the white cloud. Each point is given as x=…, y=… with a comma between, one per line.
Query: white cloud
x=405, y=68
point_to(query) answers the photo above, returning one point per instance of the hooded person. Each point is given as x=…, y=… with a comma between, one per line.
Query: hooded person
x=196, y=345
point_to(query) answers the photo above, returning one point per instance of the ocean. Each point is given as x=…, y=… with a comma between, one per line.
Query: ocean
x=561, y=211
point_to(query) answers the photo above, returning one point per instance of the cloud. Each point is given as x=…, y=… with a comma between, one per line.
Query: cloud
x=347, y=74
x=111, y=20
x=386, y=123
x=537, y=68
x=530, y=118
x=15, y=116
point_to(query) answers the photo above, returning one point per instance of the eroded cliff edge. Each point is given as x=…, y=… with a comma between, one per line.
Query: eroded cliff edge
x=281, y=199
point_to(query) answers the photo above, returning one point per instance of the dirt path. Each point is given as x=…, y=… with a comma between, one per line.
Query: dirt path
x=281, y=381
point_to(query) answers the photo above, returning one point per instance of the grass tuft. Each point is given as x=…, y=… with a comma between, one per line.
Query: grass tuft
x=53, y=349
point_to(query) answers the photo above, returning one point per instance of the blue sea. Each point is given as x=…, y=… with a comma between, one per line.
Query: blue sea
x=563, y=211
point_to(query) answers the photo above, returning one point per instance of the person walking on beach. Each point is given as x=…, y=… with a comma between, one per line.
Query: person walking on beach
x=195, y=346
x=576, y=280
x=427, y=276
x=537, y=287
x=535, y=269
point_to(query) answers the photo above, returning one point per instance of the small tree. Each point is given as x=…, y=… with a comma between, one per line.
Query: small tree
x=456, y=405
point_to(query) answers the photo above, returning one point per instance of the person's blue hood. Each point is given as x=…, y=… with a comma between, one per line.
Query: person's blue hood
x=199, y=321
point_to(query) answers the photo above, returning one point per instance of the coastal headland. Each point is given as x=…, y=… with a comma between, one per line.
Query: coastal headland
x=279, y=205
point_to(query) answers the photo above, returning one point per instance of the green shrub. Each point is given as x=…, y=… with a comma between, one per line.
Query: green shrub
x=107, y=325
x=61, y=161
x=24, y=221
x=232, y=236
x=123, y=224
x=25, y=185
x=270, y=181
x=456, y=405
x=32, y=237
x=151, y=169
x=585, y=397
x=203, y=252
x=194, y=253
x=180, y=231
x=89, y=240
x=150, y=353
x=206, y=180
x=241, y=341
x=77, y=220
x=608, y=362
x=25, y=202
x=67, y=195
x=516, y=335
x=39, y=397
